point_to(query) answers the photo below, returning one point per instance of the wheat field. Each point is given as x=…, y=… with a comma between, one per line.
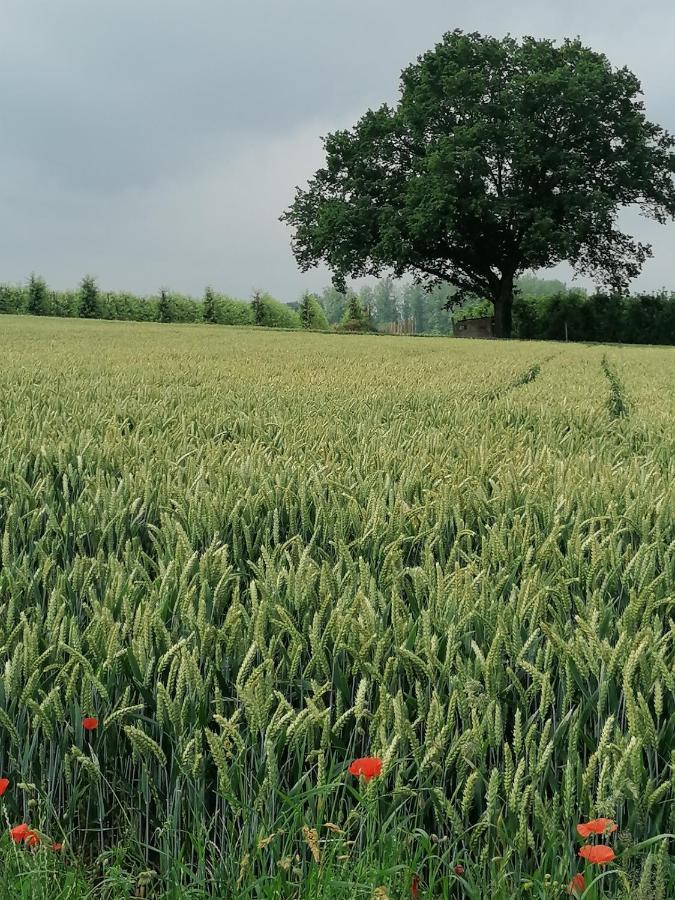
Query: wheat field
x=252, y=557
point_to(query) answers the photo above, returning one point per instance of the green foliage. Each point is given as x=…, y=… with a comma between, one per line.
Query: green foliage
x=165, y=307
x=578, y=316
x=13, y=298
x=121, y=305
x=311, y=313
x=333, y=303
x=253, y=565
x=366, y=295
x=533, y=286
x=385, y=302
x=473, y=311
x=38, y=297
x=90, y=305
x=397, y=300
x=210, y=306
x=90, y=302
x=304, y=310
x=355, y=317
x=177, y=307
x=428, y=308
x=354, y=312
x=233, y=312
x=543, y=309
x=500, y=157
x=647, y=319
x=67, y=304
x=616, y=402
x=272, y=313
x=257, y=306
x=222, y=310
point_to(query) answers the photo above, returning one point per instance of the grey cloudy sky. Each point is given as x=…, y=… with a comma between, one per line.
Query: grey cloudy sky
x=155, y=142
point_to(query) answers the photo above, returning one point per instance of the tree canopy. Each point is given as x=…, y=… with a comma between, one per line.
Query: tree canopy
x=311, y=312
x=499, y=157
x=90, y=305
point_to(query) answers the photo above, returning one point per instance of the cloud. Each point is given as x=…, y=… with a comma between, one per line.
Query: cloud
x=215, y=224
x=157, y=141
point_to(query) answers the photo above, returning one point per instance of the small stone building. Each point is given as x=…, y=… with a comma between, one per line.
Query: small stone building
x=482, y=327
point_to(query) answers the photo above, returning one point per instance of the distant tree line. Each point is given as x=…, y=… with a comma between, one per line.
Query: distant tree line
x=388, y=302
x=373, y=306
x=543, y=309
x=90, y=302
x=559, y=313
x=575, y=316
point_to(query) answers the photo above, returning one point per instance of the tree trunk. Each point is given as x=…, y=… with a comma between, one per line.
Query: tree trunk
x=503, y=304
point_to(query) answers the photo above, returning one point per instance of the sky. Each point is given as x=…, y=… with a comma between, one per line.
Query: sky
x=156, y=142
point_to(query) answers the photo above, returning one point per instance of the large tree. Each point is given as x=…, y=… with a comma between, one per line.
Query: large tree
x=500, y=156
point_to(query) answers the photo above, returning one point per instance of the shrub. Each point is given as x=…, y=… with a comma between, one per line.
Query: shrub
x=473, y=311
x=232, y=312
x=13, y=298
x=272, y=313
x=121, y=305
x=527, y=312
x=311, y=313
x=38, y=297
x=165, y=311
x=90, y=306
x=186, y=309
x=578, y=316
x=177, y=307
x=210, y=306
x=65, y=304
x=355, y=318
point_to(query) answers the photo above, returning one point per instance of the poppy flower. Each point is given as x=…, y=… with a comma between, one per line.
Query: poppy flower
x=577, y=885
x=415, y=887
x=597, y=853
x=57, y=847
x=31, y=839
x=4, y=784
x=596, y=826
x=20, y=832
x=459, y=870
x=89, y=724
x=368, y=766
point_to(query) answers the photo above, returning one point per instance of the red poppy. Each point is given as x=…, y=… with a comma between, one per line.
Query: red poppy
x=4, y=784
x=577, y=885
x=368, y=766
x=596, y=826
x=31, y=839
x=19, y=833
x=458, y=870
x=89, y=724
x=57, y=847
x=597, y=853
x=415, y=887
